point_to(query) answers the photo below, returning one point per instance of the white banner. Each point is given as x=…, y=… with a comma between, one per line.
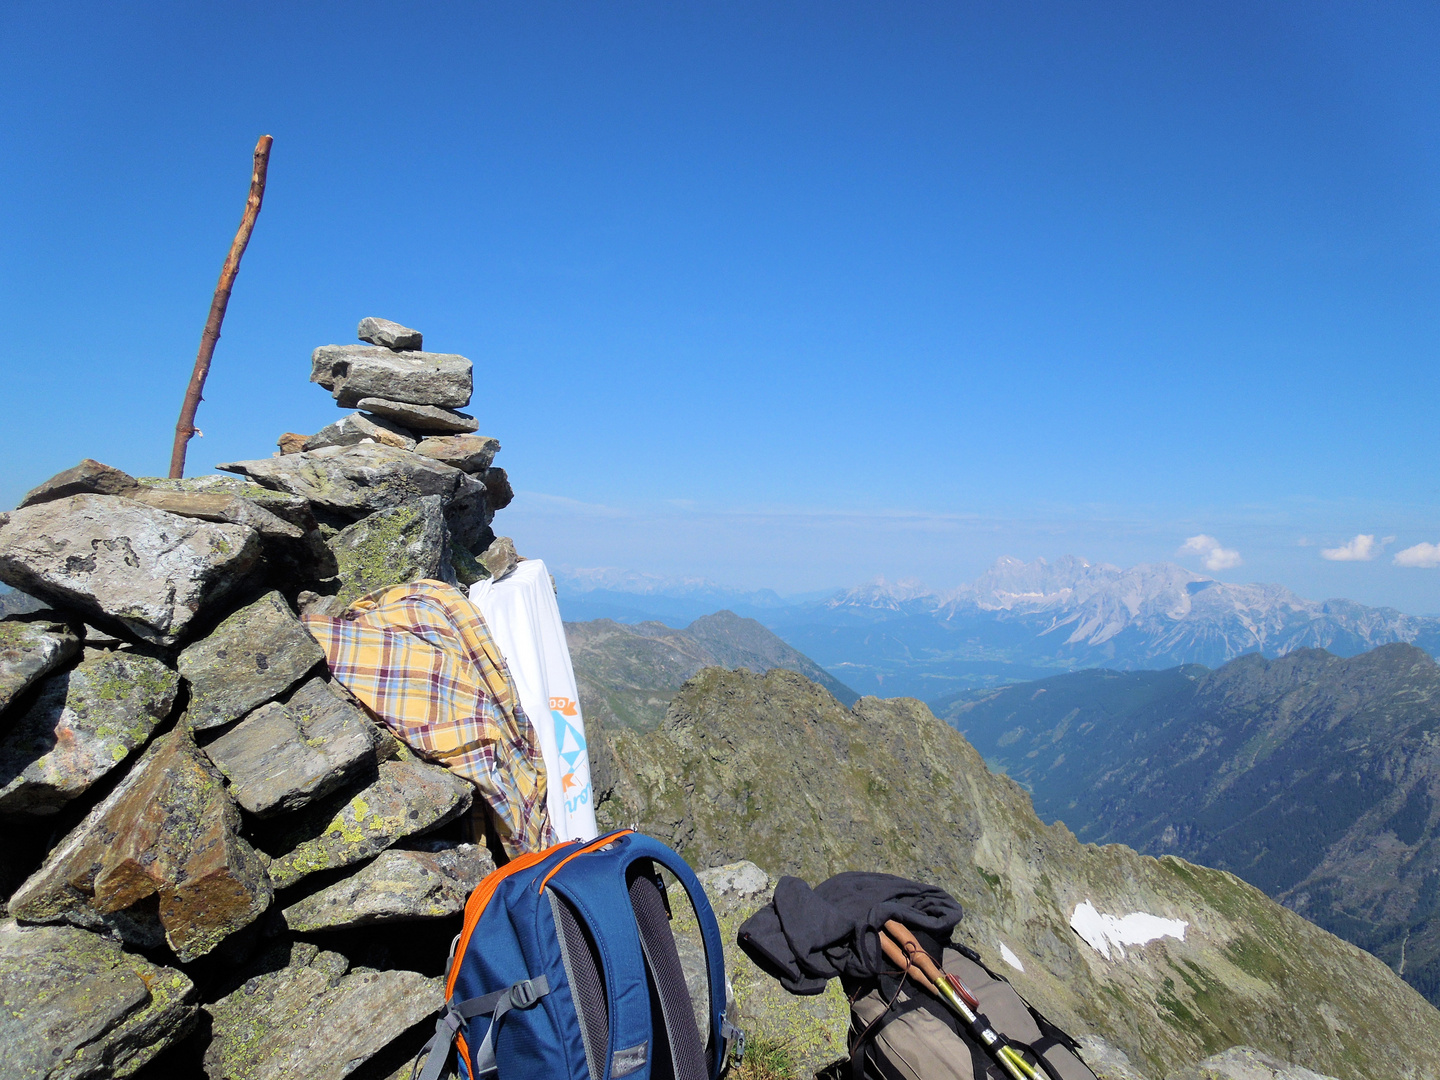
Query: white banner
x=524, y=620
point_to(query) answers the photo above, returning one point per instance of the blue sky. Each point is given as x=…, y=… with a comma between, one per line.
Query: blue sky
x=785, y=295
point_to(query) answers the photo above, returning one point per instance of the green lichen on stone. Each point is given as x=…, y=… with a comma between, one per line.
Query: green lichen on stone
x=468, y=569
x=389, y=547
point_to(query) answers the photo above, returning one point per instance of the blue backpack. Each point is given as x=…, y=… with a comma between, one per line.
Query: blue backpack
x=567, y=969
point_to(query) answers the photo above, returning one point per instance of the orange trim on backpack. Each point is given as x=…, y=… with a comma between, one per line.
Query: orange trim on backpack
x=481, y=896
x=464, y=1048
x=588, y=847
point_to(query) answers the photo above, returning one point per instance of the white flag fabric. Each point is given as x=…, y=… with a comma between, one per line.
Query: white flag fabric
x=524, y=619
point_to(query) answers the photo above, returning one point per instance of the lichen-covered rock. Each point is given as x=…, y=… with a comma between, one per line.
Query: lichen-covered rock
x=90, y=477
x=283, y=757
x=389, y=334
x=466, y=568
x=306, y=559
x=418, y=417
x=392, y=547
x=113, y=558
x=1245, y=1063
x=31, y=647
x=310, y=1021
x=74, y=1004
x=252, y=657
x=469, y=453
x=81, y=724
x=360, y=479
x=356, y=428
x=404, y=798
x=399, y=886
x=352, y=372
x=216, y=506
x=168, y=831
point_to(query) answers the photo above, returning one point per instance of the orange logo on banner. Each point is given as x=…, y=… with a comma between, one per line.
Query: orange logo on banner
x=564, y=706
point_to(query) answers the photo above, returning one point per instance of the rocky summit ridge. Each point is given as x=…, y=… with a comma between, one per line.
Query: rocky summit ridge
x=772, y=770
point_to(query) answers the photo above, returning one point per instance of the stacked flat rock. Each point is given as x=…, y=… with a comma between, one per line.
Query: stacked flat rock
x=405, y=488
x=184, y=790
x=391, y=377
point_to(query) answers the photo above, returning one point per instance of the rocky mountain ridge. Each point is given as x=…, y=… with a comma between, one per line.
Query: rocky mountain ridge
x=773, y=770
x=1314, y=777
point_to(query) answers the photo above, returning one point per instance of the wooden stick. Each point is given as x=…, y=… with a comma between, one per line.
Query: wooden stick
x=185, y=427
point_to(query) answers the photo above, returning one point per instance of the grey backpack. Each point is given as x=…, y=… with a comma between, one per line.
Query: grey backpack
x=907, y=1034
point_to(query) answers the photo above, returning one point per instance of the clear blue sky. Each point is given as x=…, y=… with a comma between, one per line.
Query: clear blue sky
x=785, y=295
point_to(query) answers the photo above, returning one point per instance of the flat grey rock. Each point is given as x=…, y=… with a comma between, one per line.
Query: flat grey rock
x=90, y=477
x=287, y=507
x=217, y=506
x=308, y=1022
x=75, y=1005
x=500, y=557
x=352, y=372
x=303, y=560
x=392, y=547
x=468, y=453
x=114, y=558
x=389, y=334
x=159, y=860
x=283, y=757
x=358, y=480
x=356, y=428
x=82, y=724
x=1245, y=1063
x=30, y=648
x=404, y=798
x=421, y=418
x=399, y=886
x=252, y=657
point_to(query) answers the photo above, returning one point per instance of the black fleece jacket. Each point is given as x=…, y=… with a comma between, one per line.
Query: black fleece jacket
x=804, y=936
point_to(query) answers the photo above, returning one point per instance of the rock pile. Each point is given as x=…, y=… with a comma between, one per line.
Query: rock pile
x=199, y=830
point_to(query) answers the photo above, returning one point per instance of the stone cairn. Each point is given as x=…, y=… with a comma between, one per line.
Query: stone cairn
x=214, y=861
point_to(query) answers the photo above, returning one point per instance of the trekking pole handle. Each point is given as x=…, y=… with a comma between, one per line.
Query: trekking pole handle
x=912, y=956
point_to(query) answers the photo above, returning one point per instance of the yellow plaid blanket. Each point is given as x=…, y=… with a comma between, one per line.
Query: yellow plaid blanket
x=421, y=658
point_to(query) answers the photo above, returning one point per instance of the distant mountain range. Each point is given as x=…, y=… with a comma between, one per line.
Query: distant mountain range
x=1314, y=777
x=1021, y=621
x=627, y=675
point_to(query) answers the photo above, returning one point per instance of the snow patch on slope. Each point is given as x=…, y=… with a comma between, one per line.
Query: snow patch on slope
x=1102, y=932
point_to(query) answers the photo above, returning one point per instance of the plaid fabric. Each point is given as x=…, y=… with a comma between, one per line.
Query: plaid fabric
x=421, y=658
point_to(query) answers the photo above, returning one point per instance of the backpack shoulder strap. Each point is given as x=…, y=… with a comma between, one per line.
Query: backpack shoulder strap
x=647, y=847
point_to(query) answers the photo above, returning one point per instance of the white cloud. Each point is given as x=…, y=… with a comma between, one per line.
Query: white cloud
x=1426, y=556
x=1214, y=556
x=1362, y=549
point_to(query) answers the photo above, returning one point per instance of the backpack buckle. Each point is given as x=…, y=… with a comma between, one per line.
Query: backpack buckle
x=523, y=994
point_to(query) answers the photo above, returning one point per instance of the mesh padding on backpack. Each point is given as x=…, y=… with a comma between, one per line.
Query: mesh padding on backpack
x=678, y=1051
x=587, y=987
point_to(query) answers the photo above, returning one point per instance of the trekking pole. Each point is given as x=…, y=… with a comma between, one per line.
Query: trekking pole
x=902, y=948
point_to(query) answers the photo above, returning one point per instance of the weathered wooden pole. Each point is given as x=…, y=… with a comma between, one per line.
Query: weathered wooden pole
x=185, y=427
